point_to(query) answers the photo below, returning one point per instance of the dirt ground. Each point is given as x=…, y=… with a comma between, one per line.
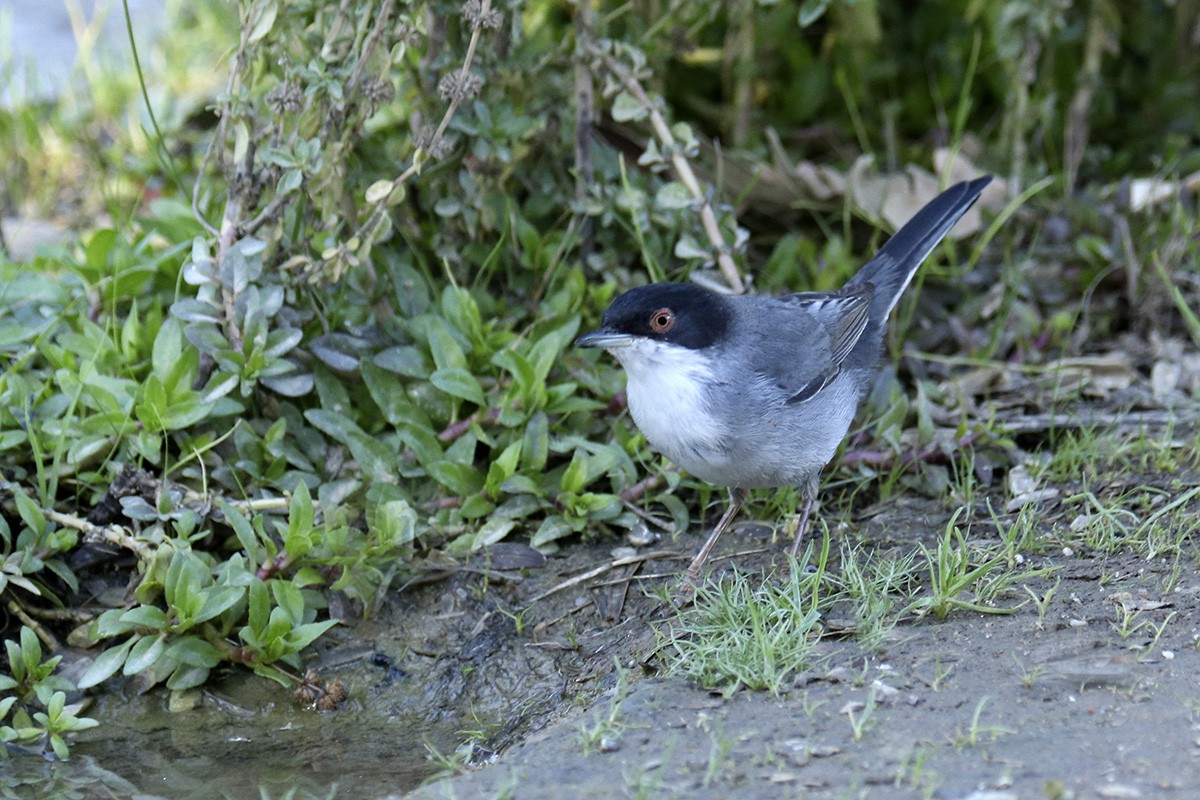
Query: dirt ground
x=520, y=676
x=1097, y=698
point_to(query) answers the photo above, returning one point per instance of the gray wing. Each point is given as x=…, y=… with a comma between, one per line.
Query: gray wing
x=811, y=335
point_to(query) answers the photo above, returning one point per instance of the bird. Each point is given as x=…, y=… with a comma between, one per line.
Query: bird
x=758, y=391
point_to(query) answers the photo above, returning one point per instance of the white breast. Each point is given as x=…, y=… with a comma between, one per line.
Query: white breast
x=668, y=401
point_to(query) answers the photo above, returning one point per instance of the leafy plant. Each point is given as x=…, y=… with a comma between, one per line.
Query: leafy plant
x=34, y=705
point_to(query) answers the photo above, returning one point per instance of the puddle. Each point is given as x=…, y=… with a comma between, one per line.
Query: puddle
x=228, y=748
x=441, y=665
x=205, y=755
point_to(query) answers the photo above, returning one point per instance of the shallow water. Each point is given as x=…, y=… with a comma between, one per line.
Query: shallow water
x=231, y=747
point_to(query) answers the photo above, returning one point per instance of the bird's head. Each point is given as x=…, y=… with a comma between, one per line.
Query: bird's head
x=661, y=316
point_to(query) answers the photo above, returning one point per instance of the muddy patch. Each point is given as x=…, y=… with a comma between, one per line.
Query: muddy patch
x=1072, y=703
x=513, y=677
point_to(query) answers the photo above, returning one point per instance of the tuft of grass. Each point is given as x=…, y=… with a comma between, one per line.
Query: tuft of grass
x=1101, y=453
x=743, y=632
x=872, y=582
x=966, y=577
x=606, y=726
x=976, y=733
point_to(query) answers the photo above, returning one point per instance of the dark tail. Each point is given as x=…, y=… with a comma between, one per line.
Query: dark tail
x=896, y=262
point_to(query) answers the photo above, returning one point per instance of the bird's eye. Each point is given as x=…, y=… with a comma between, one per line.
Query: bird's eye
x=662, y=320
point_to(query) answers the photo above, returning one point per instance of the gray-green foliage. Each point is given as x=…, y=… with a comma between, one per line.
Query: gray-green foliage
x=34, y=710
x=322, y=368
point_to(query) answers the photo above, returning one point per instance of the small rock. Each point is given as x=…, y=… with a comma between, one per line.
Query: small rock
x=782, y=777
x=839, y=675
x=824, y=751
x=609, y=745
x=883, y=691
x=640, y=535
x=180, y=701
x=1116, y=791
x=1028, y=498
x=1164, y=377
x=1020, y=481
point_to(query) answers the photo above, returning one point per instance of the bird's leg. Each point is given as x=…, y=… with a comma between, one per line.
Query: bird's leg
x=736, y=498
x=810, y=497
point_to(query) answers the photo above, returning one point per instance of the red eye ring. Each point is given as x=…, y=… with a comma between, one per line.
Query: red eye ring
x=662, y=321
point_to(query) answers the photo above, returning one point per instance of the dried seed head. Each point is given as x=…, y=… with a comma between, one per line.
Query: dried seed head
x=458, y=87
x=376, y=92
x=285, y=97
x=424, y=140
x=474, y=14
x=407, y=32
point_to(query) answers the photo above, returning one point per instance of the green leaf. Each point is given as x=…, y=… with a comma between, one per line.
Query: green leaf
x=192, y=310
x=262, y=16
x=811, y=11
x=378, y=191
x=406, y=360
x=259, y=608
x=31, y=512
x=444, y=348
x=525, y=381
x=302, y=636
x=492, y=531
x=688, y=247
x=372, y=455
x=245, y=533
x=575, y=477
x=194, y=652
x=424, y=445
x=459, y=383
x=626, y=108
x=503, y=467
x=548, y=349
x=106, y=665
x=459, y=478
x=288, y=599
x=535, y=449
x=144, y=653
x=300, y=511
x=394, y=522
x=551, y=529
x=168, y=348
x=217, y=600
x=187, y=677
x=145, y=617
x=390, y=394
x=673, y=196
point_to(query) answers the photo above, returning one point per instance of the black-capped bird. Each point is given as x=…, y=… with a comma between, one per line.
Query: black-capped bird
x=755, y=391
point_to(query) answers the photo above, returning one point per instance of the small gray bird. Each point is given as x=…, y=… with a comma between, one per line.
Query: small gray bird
x=750, y=391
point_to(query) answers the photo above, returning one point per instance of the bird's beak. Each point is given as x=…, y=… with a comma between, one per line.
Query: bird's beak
x=604, y=337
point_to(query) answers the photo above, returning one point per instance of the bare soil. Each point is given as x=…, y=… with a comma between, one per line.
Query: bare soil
x=528, y=678
x=1071, y=704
